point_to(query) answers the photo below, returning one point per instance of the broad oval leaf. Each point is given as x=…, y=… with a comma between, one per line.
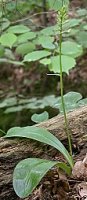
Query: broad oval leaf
x=43, y=38
x=81, y=12
x=40, y=117
x=46, y=41
x=49, y=31
x=48, y=45
x=8, y=102
x=73, y=22
x=36, y=55
x=82, y=38
x=9, y=54
x=25, y=37
x=71, y=100
x=17, y=29
x=8, y=39
x=45, y=61
x=29, y=172
x=25, y=48
x=5, y=24
x=72, y=49
x=41, y=135
x=57, y=4
x=67, y=64
x=13, y=109
x=85, y=27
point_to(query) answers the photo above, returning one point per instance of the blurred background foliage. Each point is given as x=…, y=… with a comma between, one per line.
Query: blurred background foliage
x=29, y=54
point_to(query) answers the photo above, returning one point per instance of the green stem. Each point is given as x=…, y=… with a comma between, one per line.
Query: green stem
x=61, y=84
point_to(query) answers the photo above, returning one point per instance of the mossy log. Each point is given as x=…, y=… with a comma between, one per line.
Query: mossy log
x=14, y=150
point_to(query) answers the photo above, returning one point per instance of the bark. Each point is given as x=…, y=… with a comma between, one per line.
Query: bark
x=14, y=150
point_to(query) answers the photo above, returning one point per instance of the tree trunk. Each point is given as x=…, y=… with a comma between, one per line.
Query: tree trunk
x=14, y=150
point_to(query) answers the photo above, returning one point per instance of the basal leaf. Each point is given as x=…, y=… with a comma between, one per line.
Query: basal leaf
x=29, y=172
x=41, y=135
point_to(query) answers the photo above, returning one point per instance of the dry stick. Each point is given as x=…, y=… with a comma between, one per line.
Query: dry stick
x=31, y=16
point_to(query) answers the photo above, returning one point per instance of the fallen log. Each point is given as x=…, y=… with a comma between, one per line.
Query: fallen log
x=14, y=150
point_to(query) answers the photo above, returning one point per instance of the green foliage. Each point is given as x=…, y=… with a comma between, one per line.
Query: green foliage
x=82, y=12
x=18, y=29
x=72, y=49
x=72, y=100
x=67, y=64
x=5, y=24
x=8, y=39
x=82, y=38
x=41, y=135
x=49, y=31
x=25, y=48
x=29, y=172
x=57, y=4
x=12, y=104
x=46, y=42
x=40, y=117
x=44, y=38
x=25, y=37
x=36, y=55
